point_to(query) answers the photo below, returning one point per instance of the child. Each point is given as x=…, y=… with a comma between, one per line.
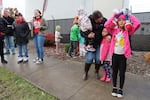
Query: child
x=104, y=55
x=86, y=26
x=81, y=45
x=57, y=38
x=22, y=32
x=120, y=48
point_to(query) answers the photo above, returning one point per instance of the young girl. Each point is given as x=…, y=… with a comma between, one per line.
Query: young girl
x=57, y=38
x=104, y=56
x=39, y=26
x=120, y=48
x=22, y=32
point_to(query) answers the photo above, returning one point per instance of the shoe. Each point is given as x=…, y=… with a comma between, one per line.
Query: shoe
x=39, y=61
x=114, y=92
x=4, y=61
x=74, y=57
x=20, y=60
x=108, y=80
x=6, y=53
x=85, y=77
x=13, y=53
x=120, y=93
x=36, y=59
x=104, y=76
x=25, y=59
x=90, y=48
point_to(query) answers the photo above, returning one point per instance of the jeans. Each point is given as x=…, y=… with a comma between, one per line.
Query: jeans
x=73, y=48
x=90, y=56
x=9, y=43
x=24, y=48
x=39, y=45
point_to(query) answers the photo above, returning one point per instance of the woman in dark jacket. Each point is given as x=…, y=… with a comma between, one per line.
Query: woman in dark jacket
x=97, y=21
x=22, y=32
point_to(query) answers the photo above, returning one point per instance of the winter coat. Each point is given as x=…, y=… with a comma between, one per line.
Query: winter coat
x=104, y=50
x=9, y=21
x=22, y=33
x=97, y=29
x=126, y=34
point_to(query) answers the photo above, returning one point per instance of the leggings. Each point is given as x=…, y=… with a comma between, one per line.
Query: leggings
x=106, y=67
x=118, y=64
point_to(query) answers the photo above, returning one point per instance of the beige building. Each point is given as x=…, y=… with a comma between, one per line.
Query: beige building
x=63, y=9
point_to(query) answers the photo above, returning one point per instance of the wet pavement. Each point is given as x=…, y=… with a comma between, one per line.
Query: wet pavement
x=63, y=79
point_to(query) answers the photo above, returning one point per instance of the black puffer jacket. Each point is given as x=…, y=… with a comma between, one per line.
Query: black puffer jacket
x=9, y=21
x=97, y=29
x=22, y=32
x=2, y=27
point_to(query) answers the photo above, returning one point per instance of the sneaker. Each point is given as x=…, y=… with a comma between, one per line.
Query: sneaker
x=90, y=48
x=36, y=59
x=114, y=92
x=6, y=53
x=25, y=59
x=13, y=53
x=39, y=61
x=20, y=59
x=120, y=93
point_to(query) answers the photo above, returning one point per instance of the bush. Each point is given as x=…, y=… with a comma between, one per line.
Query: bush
x=50, y=39
x=67, y=46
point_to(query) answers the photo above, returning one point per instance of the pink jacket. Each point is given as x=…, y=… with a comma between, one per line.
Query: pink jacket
x=104, y=50
x=114, y=31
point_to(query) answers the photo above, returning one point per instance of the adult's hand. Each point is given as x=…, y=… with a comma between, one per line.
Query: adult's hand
x=91, y=35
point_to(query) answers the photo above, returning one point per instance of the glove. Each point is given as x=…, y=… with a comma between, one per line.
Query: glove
x=128, y=26
x=113, y=24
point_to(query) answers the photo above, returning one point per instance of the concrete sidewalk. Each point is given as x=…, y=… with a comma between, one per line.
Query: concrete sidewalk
x=63, y=79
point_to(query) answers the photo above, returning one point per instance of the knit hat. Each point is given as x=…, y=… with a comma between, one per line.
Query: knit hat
x=122, y=17
x=58, y=27
x=19, y=14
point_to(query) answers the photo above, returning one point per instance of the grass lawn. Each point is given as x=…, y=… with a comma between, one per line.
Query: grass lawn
x=13, y=87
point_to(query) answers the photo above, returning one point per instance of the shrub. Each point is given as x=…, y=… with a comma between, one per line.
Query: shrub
x=50, y=39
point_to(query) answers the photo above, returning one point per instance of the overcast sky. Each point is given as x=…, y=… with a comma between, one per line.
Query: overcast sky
x=20, y=4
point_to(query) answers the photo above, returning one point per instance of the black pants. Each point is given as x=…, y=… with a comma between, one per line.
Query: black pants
x=118, y=64
x=1, y=48
x=73, y=48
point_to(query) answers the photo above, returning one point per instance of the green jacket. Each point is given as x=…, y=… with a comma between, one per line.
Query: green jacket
x=74, y=32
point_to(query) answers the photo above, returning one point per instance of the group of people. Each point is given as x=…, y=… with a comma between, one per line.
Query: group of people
x=107, y=43
x=19, y=29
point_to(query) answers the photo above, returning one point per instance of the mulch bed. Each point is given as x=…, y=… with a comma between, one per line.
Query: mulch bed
x=136, y=64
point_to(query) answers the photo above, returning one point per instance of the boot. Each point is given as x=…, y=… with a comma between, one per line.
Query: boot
x=108, y=79
x=3, y=61
x=97, y=66
x=86, y=69
x=104, y=76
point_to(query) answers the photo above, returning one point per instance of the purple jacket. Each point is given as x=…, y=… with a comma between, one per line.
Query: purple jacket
x=126, y=34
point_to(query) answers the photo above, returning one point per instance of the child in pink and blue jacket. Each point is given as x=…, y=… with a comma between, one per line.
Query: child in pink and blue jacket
x=120, y=48
x=104, y=56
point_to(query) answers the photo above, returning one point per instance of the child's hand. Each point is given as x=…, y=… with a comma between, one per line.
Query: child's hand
x=91, y=35
x=101, y=62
